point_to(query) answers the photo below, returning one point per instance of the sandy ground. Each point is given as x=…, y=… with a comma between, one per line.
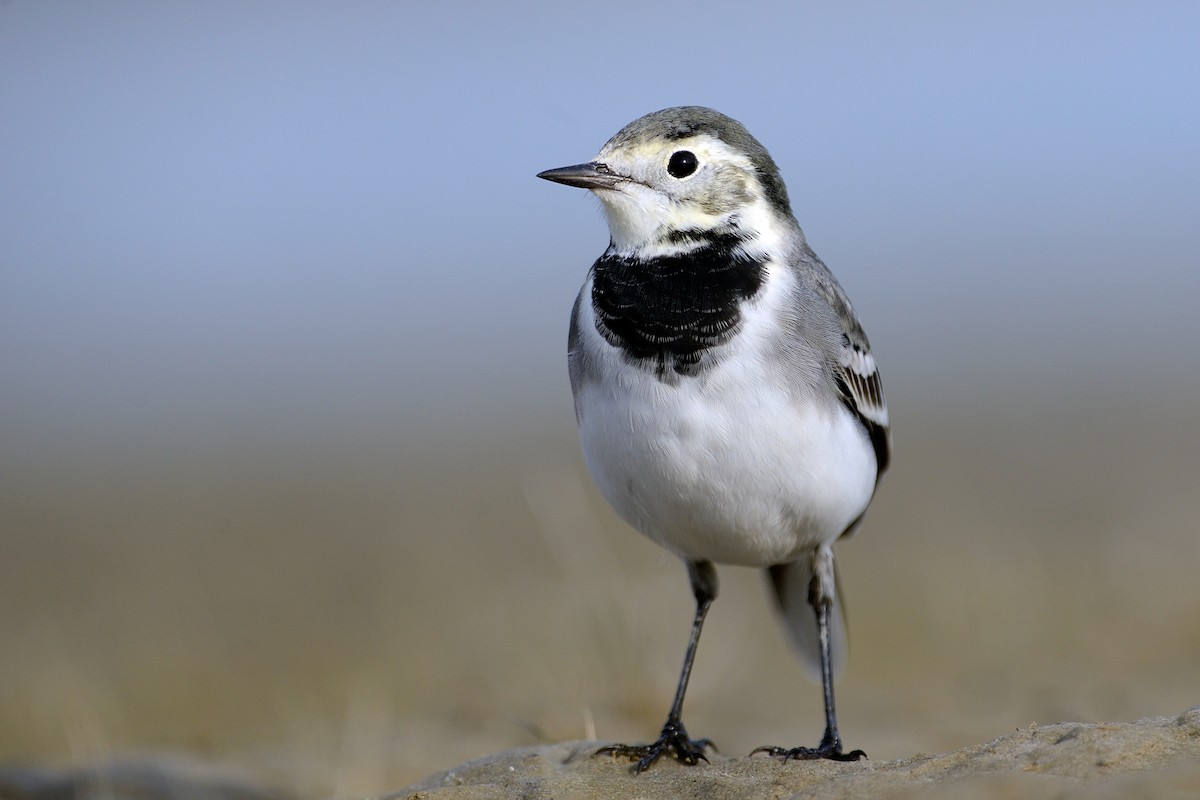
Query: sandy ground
x=1157, y=757
x=338, y=623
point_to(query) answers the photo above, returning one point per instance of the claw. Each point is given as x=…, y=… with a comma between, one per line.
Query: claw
x=832, y=752
x=674, y=741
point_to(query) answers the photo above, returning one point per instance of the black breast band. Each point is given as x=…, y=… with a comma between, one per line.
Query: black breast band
x=666, y=311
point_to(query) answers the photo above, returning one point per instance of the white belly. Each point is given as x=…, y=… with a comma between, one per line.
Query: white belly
x=712, y=468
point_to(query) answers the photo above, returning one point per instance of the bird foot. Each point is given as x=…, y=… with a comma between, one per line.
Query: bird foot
x=827, y=750
x=673, y=741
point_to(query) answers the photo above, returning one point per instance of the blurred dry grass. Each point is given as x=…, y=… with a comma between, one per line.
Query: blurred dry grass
x=345, y=623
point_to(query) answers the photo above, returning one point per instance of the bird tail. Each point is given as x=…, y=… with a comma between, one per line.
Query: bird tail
x=792, y=584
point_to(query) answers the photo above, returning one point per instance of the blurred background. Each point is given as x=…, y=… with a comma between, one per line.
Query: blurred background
x=288, y=471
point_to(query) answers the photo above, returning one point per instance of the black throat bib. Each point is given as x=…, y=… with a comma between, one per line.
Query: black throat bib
x=665, y=312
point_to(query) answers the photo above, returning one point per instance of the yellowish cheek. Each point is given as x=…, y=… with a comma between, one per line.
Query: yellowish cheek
x=691, y=216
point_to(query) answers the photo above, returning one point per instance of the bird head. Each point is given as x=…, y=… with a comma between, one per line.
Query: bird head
x=681, y=173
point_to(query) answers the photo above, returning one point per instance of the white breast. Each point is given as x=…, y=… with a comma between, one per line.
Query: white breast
x=737, y=465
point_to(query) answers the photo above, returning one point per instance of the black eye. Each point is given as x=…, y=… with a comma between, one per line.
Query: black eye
x=682, y=163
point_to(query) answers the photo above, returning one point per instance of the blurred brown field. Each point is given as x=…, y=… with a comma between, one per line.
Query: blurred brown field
x=344, y=622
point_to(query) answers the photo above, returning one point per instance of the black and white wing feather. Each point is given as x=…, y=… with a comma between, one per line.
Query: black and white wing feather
x=861, y=390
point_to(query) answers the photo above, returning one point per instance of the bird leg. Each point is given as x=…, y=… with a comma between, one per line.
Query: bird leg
x=673, y=739
x=820, y=597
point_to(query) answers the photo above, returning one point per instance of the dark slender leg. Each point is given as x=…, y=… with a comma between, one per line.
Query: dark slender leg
x=831, y=743
x=673, y=739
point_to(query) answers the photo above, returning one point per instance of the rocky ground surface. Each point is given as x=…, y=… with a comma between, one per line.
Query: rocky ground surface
x=1157, y=757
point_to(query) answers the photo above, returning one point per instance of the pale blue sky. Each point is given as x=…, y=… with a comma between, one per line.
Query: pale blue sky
x=227, y=222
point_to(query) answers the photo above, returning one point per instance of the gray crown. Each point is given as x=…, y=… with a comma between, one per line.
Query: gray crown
x=684, y=121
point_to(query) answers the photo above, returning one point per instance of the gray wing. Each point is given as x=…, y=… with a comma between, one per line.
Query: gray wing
x=854, y=373
x=579, y=365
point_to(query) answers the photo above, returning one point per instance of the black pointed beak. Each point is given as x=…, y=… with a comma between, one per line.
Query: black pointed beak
x=592, y=175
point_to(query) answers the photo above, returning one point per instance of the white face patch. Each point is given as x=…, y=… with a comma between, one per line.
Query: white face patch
x=653, y=202
x=636, y=214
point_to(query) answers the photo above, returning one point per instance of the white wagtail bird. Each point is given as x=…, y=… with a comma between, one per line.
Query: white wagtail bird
x=727, y=400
